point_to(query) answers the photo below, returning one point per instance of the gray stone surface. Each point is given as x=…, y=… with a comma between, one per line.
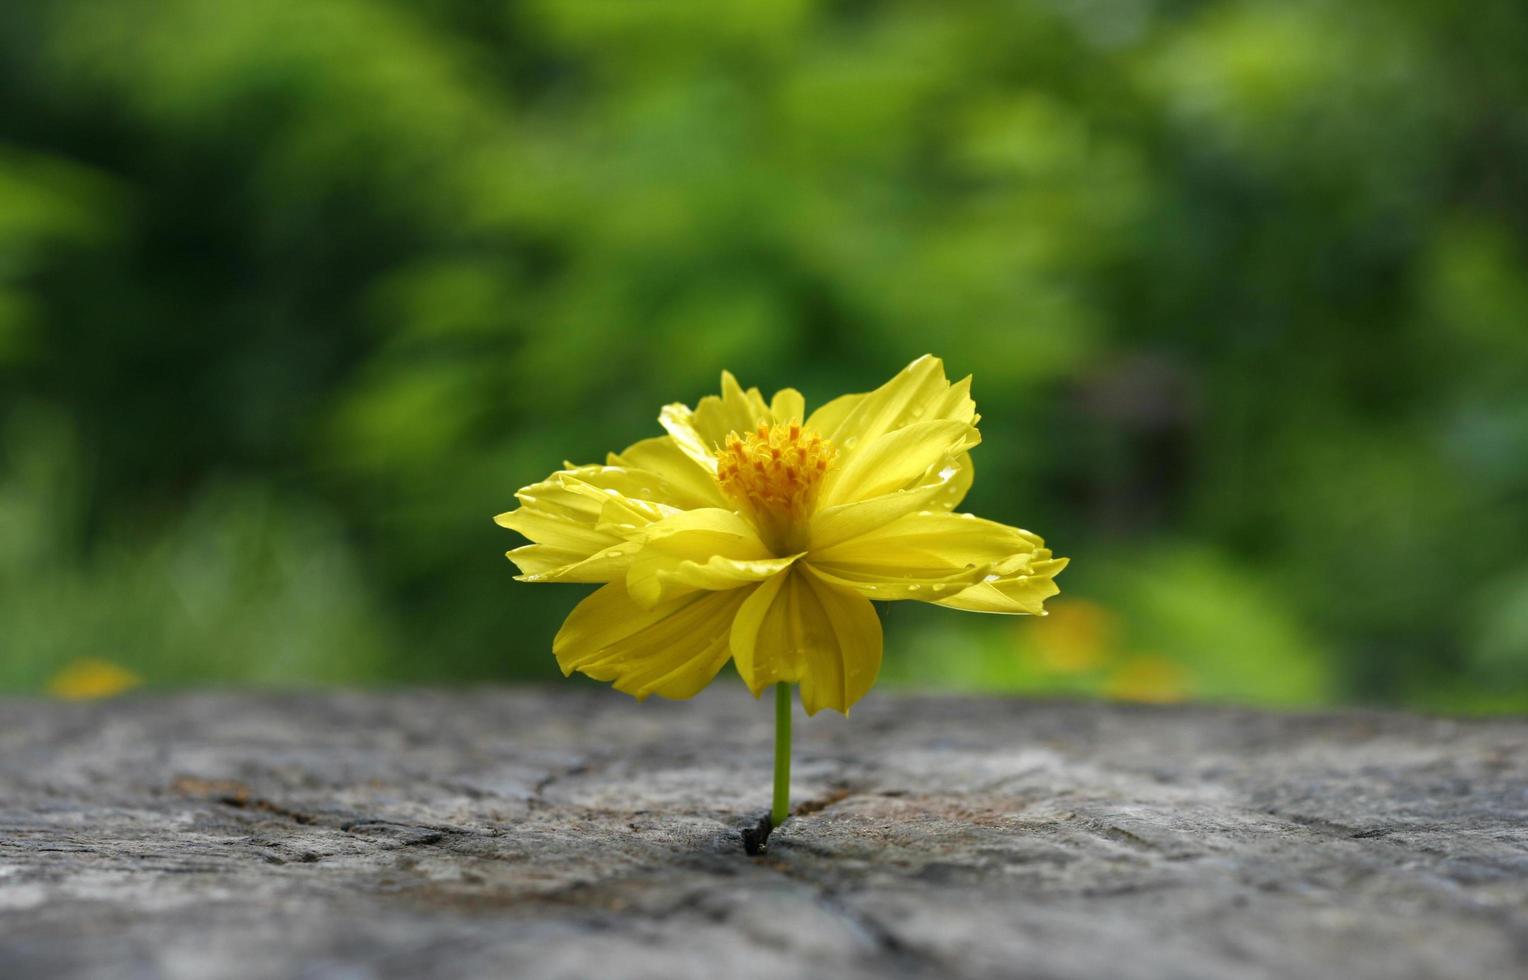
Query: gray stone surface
x=574, y=833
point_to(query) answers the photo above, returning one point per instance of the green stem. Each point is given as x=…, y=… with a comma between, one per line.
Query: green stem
x=781, y=810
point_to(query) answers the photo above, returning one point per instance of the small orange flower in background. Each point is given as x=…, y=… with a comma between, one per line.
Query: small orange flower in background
x=89, y=678
x=758, y=533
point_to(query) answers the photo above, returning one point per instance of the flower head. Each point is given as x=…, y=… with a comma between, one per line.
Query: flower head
x=755, y=532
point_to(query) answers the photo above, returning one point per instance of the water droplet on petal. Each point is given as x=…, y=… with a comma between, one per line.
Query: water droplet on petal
x=914, y=588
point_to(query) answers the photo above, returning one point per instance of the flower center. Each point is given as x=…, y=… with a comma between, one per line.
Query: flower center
x=774, y=473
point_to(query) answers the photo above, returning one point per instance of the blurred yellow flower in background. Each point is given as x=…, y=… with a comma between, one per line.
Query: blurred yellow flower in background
x=1148, y=677
x=89, y=678
x=1076, y=637
x=756, y=532
x=1085, y=642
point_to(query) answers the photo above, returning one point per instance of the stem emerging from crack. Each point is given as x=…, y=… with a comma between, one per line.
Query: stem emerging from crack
x=756, y=838
x=781, y=810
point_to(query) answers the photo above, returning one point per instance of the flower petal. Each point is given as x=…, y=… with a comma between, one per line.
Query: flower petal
x=579, y=518
x=618, y=514
x=564, y=532
x=568, y=543
x=672, y=650
x=932, y=539
x=927, y=555
x=890, y=586
x=677, y=479
x=797, y=628
x=920, y=392
x=828, y=417
x=698, y=549
x=656, y=577
x=896, y=459
x=707, y=531
x=1013, y=593
x=699, y=431
x=959, y=485
x=841, y=522
x=788, y=405
x=551, y=513
x=679, y=420
x=735, y=410
x=545, y=563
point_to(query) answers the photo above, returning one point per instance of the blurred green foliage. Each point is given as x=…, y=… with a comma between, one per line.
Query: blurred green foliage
x=294, y=294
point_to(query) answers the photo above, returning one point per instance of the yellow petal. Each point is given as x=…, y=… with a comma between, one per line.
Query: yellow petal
x=89, y=678
x=579, y=519
x=679, y=421
x=797, y=628
x=1014, y=593
x=920, y=392
x=959, y=485
x=544, y=563
x=895, y=460
x=955, y=402
x=656, y=577
x=616, y=513
x=698, y=549
x=563, y=525
x=788, y=405
x=544, y=527
x=829, y=417
x=927, y=556
x=619, y=518
x=831, y=525
x=927, y=585
x=699, y=534
x=551, y=513
x=699, y=431
x=735, y=411
x=677, y=479
x=672, y=650
x=933, y=540
x=745, y=629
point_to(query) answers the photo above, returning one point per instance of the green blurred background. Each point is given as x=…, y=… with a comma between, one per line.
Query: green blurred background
x=294, y=294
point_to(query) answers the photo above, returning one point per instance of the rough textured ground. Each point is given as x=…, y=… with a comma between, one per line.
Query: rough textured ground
x=578, y=834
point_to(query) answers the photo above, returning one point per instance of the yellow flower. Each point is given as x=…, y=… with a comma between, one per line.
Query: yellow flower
x=1149, y=678
x=89, y=678
x=755, y=532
